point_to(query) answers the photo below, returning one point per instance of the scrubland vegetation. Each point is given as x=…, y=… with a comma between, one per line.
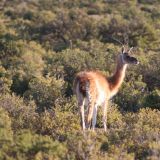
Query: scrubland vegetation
x=43, y=44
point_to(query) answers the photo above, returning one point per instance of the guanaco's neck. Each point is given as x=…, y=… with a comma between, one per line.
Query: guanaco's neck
x=116, y=80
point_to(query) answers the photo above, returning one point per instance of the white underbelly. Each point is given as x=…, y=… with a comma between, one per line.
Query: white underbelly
x=101, y=95
x=101, y=98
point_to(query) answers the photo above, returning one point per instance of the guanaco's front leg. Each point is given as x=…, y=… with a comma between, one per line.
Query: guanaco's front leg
x=82, y=116
x=104, y=118
x=94, y=119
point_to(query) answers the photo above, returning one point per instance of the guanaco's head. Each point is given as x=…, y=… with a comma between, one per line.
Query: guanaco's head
x=127, y=58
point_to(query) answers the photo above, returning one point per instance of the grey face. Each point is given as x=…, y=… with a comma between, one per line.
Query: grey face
x=129, y=59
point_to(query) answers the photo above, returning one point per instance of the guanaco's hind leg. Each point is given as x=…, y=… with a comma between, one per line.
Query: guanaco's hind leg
x=81, y=100
x=89, y=114
x=91, y=97
x=81, y=111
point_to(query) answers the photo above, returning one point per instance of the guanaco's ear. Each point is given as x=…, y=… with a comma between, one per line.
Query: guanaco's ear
x=123, y=49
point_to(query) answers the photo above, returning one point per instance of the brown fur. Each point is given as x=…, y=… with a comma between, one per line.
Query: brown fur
x=110, y=84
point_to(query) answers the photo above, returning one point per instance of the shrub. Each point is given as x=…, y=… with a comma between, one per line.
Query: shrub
x=6, y=133
x=132, y=95
x=45, y=92
x=26, y=63
x=22, y=115
x=152, y=99
x=60, y=122
x=135, y=138
x=5, y=81
x=38, y=147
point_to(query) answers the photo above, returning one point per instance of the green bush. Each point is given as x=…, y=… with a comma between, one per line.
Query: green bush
x=60, y=125
x=136, y=136
x=38, y=147
x=6, y=133
x=152, y=99
x=22, y=115
x=23, y=65
x=128, y=97
x=45, y=91
x=5, y=81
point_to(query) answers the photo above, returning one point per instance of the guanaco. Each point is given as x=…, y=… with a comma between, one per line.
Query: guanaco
x=93, y=89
